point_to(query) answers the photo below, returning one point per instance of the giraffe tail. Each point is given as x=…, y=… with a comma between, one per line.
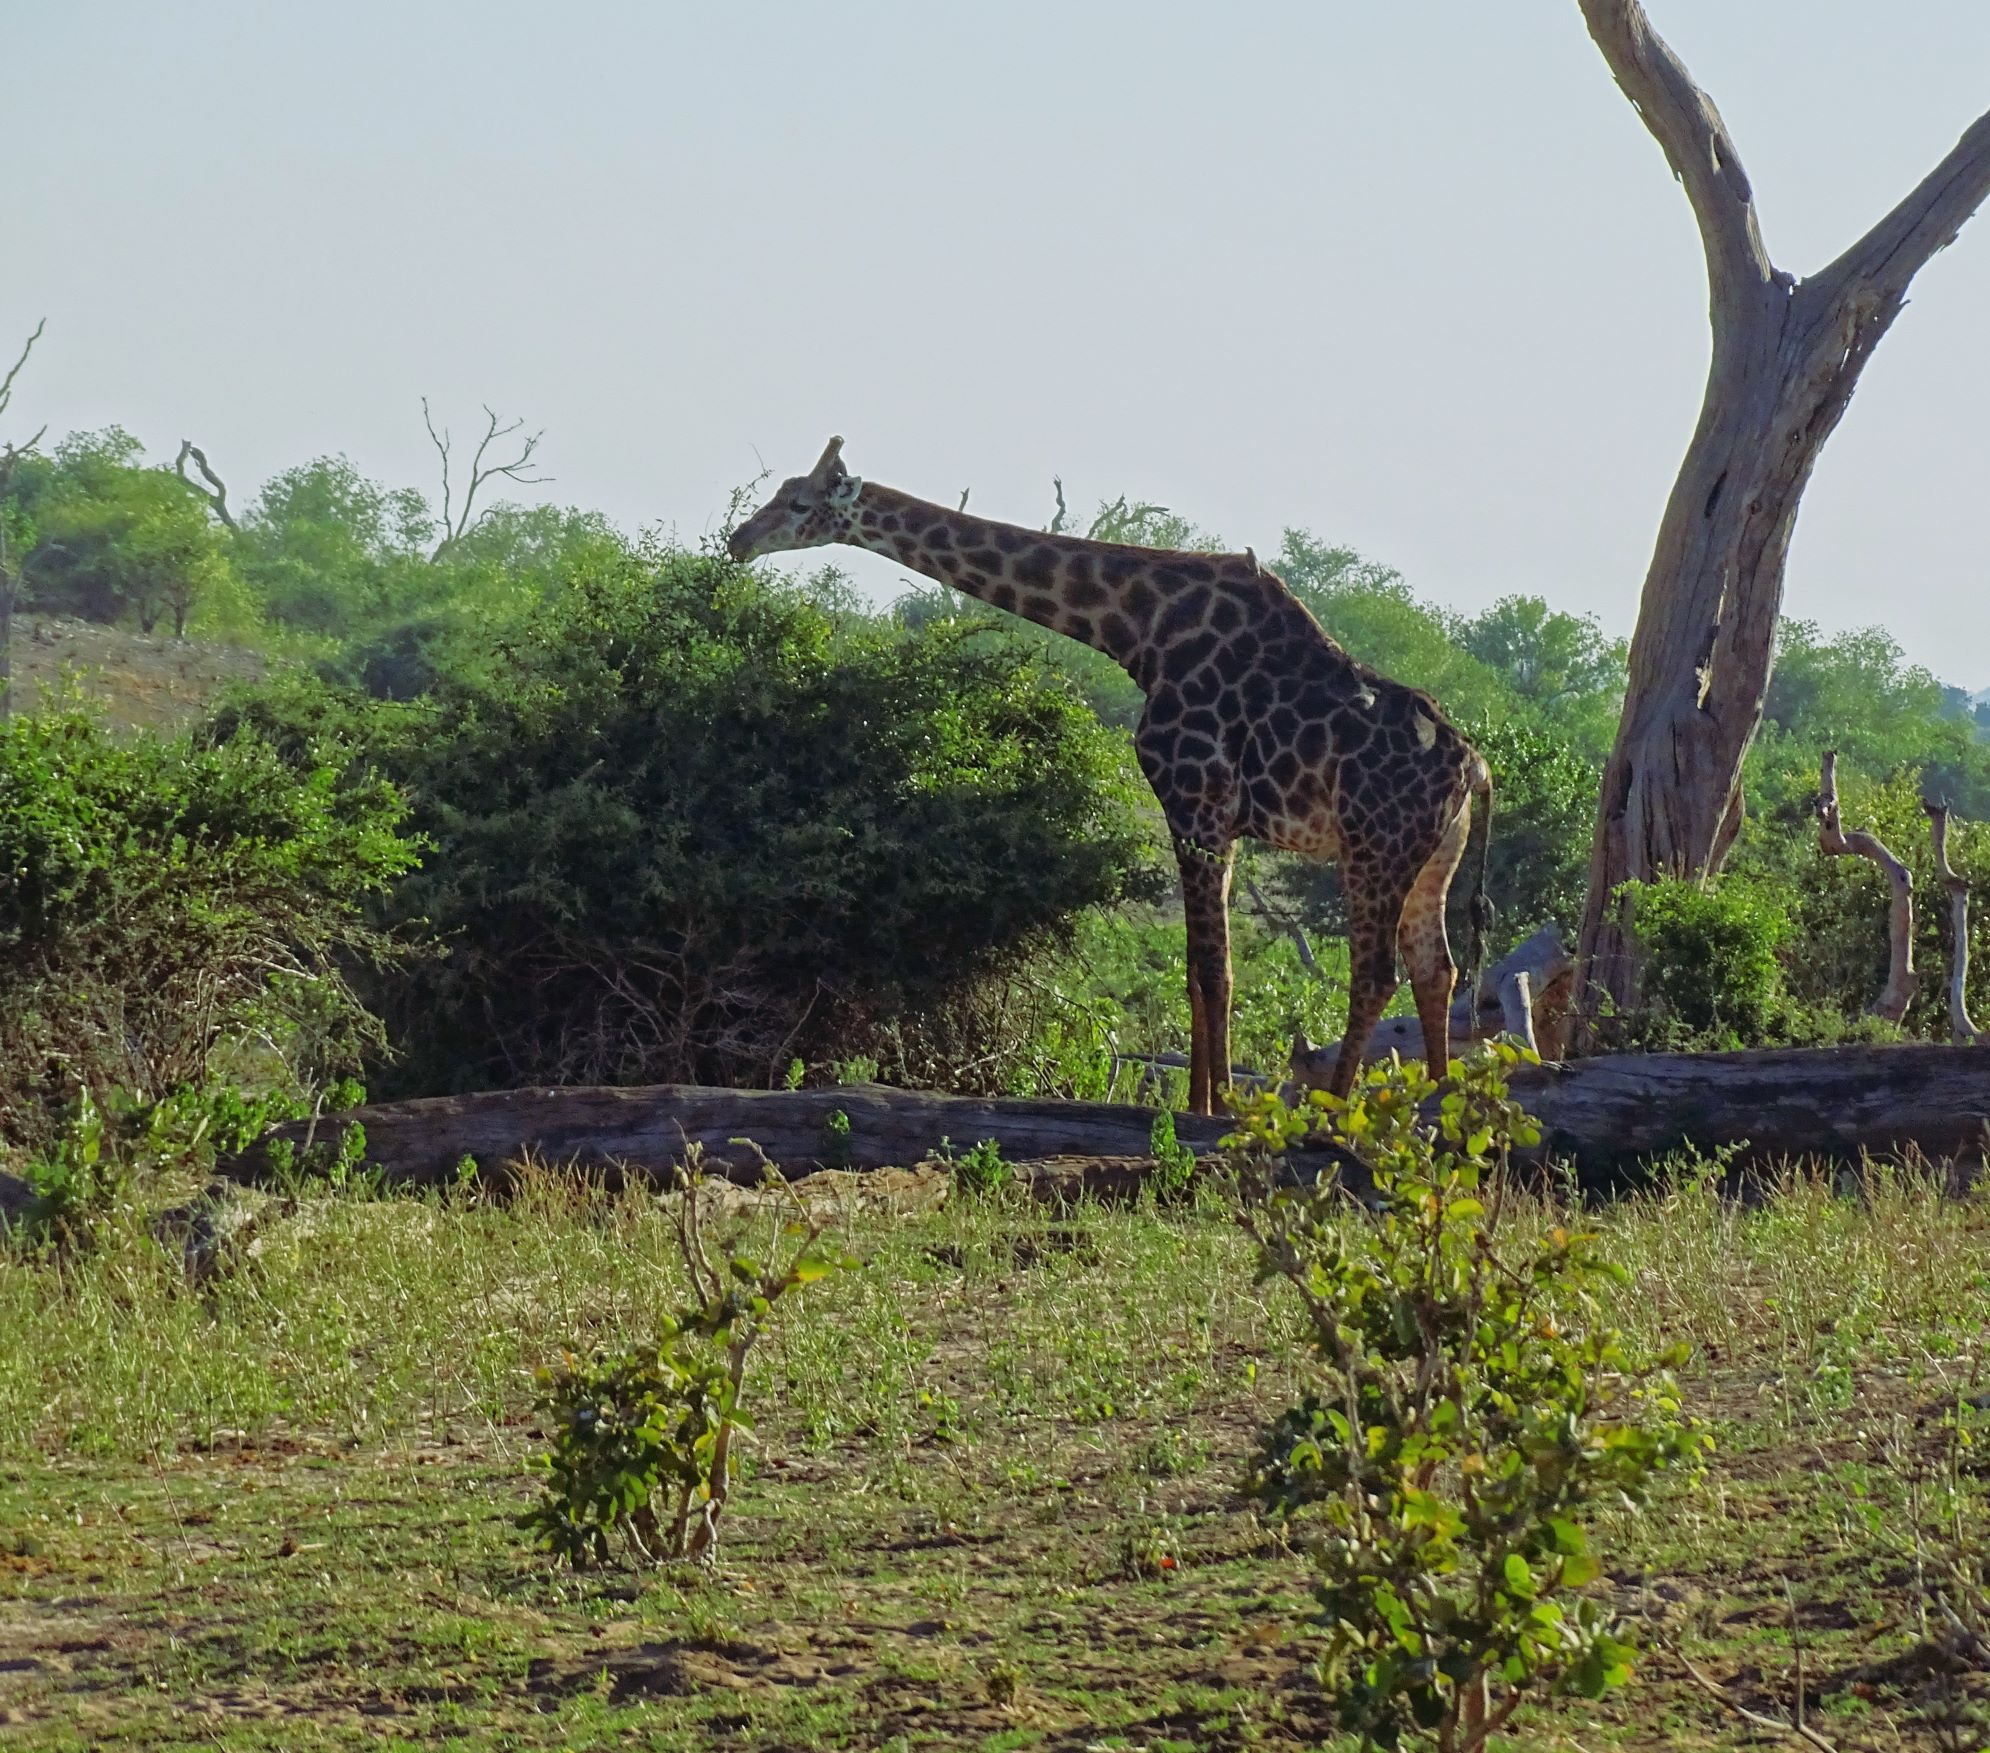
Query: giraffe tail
x=1483, y=913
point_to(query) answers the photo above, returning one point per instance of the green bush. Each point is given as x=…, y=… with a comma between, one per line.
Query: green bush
x=1469, y=1411
x=657, y=1426
x=690, y=824
x=1710, y=975
x=981, y=1169
x=166, y=907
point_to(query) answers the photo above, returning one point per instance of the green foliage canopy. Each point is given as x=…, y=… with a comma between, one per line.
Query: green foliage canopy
x=686, y=826
x=162, y=902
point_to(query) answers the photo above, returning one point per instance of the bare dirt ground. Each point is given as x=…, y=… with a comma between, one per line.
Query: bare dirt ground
x=149, y=681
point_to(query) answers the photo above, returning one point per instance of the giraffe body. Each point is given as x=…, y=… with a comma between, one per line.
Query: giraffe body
x=1257, y=726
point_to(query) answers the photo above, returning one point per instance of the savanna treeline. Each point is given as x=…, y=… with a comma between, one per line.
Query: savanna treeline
x=524, y=799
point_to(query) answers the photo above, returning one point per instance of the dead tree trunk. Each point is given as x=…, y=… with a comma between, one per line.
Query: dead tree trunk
x=1283, y=924
x=1898, y=993
x=1962, y=1031
x=1787, y=355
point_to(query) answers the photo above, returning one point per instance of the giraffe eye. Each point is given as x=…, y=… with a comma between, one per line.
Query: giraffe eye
x=800, y=507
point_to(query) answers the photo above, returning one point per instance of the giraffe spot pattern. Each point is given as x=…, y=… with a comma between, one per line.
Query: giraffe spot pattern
x=1257, y=723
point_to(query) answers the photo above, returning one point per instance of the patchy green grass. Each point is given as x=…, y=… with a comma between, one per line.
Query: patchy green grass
x=991, y=1502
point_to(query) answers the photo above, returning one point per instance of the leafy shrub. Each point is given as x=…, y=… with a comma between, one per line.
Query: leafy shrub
x=74, y=1189
x=1710, y=973
x=1835, y=959
x=166, y=905
x=690, y=824
x=656, y=1427
x=1469, y=1411
x=980, y=1169
x=87, y=1175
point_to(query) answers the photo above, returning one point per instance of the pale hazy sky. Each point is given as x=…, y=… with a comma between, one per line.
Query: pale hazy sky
x=1412, y=275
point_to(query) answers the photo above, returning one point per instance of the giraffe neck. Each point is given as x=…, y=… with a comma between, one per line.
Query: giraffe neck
x=1103, y=594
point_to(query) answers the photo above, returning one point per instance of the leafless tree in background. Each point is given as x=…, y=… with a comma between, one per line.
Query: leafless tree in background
x=215, y=492
x=456, y=520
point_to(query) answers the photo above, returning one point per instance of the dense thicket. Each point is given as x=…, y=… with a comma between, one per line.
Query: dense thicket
x=688, y=826
x=162, y=904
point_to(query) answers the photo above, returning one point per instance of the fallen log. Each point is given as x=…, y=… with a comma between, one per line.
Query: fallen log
x=1604, y=1114
x=645, y=1131
x=1836, y=1103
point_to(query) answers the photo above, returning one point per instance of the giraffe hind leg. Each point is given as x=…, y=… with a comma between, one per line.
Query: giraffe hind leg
x=1375, y=912
x=1425, y=945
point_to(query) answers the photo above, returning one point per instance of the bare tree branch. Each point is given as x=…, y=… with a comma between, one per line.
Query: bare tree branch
x=1776, y=1725
x=1962, y=1032
x=14, y=371
x=1061, y=521
x=1926, y=220
x=216, y=490
x=964, y=492
x=10, y=570
x=1688, y=128
x=458, y=521
x=1898, y=992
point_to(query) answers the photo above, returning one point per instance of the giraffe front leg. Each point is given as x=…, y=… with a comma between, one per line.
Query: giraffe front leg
x=1374, y=915
x=1206, y=913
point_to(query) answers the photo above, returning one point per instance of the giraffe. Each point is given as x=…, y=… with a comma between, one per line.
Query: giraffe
x=1257, y=725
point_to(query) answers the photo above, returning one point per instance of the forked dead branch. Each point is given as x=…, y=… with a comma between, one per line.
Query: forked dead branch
x=1898, y=992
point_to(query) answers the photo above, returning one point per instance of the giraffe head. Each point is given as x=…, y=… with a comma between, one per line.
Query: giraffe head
x=809, y=511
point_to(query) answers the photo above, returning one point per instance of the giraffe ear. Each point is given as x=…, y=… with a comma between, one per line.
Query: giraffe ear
x=830, y=464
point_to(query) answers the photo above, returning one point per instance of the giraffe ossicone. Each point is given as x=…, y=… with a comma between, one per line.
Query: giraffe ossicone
x=1258, y=726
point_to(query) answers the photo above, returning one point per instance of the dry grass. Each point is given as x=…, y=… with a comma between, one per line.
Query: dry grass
x=991, y=1503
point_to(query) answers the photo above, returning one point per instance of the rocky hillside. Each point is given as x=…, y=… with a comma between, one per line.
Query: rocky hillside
x=143, y=680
